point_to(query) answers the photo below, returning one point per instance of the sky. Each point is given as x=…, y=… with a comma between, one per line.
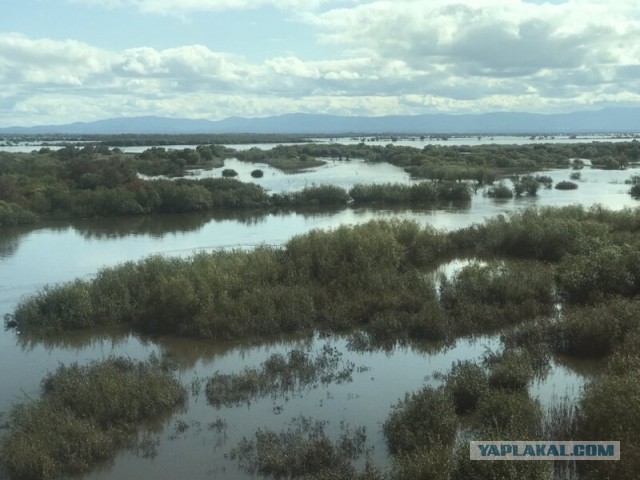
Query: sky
x=63, y=61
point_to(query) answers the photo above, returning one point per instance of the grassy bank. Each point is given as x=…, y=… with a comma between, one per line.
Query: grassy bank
x=84, y=415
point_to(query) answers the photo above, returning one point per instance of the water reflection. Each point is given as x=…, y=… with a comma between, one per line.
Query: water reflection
x=187, y=353
x=185, y=445
x=61, y=251
x=10, y=240
x=343, y=174
x=109, y=339
x=188, y=447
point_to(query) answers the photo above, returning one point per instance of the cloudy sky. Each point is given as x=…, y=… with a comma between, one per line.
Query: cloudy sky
x=81, y=60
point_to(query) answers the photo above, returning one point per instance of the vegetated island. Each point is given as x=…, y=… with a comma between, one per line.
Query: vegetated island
x=96, y=180
x=85, y=415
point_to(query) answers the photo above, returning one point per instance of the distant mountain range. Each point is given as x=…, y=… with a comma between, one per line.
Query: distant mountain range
x=611, y=120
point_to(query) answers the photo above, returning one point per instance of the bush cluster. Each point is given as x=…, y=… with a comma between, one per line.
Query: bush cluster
x=85, y=414
x=490, y=400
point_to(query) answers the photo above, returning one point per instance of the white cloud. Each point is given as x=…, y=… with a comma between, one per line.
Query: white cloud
x=386, y=57
x=46, y=61
x=173, y=7
x=487, y=37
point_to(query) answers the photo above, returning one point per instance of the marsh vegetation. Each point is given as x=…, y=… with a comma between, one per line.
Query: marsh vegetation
x=551, y=280
x=280, y=375
x=95, y=180
x=85, y=414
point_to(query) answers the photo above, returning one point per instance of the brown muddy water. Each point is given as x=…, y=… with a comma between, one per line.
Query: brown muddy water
x=188, y=446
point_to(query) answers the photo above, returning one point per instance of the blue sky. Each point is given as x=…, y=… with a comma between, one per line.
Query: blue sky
x=81, y=60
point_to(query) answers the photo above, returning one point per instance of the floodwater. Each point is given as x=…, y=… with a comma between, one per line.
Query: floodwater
x=400, y=140
x=31, y=257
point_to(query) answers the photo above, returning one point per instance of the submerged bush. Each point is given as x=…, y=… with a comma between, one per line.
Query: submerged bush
x=279, y=375
x=546, y=234
x=595, y=330
x=466, y=383
x=229, y=172
x=634, y=181
x=13, y=214
x=303, y=450
x=500, y=191
x=511, y=370
x=526, y=184
x=545, y=180
x=564, y=185
x=425, y=419
x=312, y=196
x=609, y=410
x=417, y=193
x=84, y=415
x=486, y=297
x=435, y=463
x=509, y=414
x=257, y=173
x=592, y=276
x=328, y=280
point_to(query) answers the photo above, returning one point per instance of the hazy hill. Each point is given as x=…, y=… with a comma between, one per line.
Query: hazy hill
x=603, y=121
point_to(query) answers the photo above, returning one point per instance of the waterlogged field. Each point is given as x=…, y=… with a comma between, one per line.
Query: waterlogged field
x=309, y=346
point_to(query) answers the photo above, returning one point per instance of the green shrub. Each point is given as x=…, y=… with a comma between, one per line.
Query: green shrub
x=330, y=280
x=389, y=193
x=312, y=196
x=505, y=414
x=501, y=414
x=511, y=370
x=592, y=276
x=566, y=185
x=453, y=191
x=486, y=297
x=609, y=410
x=257, y=173
x=85, y=414
x=45, y=443
x=417, y=193
x=279, y=375
x=229, y=172
x=500, y=191
x=303, y=450
x=466, y=383
x=425, y=419
x=62, y=307
x=117, y=392
x=546, y=234
x=595, y=330
x=321, y=195
x=231, y=193
x=13, y=214
x=545, y=180
x=526, y=184
x=435, y=463
x=466, y=469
